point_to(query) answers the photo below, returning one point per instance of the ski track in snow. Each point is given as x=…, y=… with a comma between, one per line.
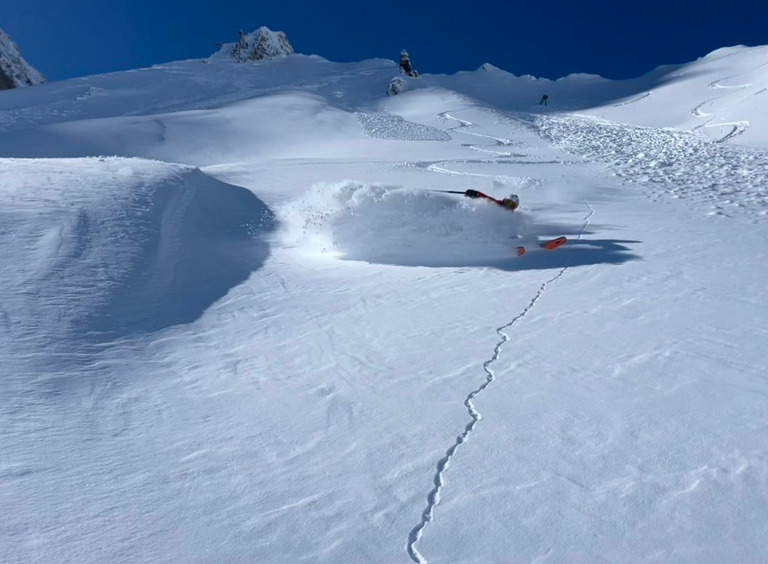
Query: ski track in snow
x=502, y=157
x=433, y=499
x=716, y=83
x=490, y=151
x=501, y=141
x=633, y=100
x=698, y=112
x=441, y=170
x=737, y=127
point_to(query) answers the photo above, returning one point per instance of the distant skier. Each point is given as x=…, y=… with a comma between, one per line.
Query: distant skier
x=405, y=64
x=544, y=99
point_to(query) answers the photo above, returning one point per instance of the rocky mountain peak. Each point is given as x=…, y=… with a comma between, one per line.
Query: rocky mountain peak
x=15, y=72
x=259, y=45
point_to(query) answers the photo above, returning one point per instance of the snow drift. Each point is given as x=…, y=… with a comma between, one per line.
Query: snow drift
x=121, y=246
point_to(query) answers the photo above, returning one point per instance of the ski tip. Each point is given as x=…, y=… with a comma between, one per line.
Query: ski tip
x=554, y=243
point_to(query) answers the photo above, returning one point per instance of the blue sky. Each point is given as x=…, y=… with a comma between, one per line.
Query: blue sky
x=548, y=39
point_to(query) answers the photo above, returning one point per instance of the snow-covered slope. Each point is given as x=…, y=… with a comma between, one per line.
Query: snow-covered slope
x=240, y=323
x=15, y=72
x=722, y=96
x=702, y=96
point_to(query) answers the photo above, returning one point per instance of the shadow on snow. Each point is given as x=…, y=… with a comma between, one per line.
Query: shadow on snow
x=202, y=239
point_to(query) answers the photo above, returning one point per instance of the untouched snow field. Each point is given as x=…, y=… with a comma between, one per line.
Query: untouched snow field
x=238, y=325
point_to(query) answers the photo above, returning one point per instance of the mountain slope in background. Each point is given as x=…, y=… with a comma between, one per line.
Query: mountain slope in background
x=15, y=72
x=721, y=96
x=241, y=324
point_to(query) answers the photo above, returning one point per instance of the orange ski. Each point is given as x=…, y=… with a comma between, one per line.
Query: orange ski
x=546, y=245
x=554, y=243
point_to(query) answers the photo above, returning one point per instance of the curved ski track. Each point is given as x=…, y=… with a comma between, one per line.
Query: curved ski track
x=433, y=498
x=633, y=100
x=501, y=141
x=502, y=157
x=737, y=127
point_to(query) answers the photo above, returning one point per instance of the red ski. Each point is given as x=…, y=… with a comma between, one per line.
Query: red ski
x=546, y=245
x=553, y=243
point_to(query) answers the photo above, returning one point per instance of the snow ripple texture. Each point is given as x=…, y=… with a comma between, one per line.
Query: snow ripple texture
x=381, y=125
x=677, y=163
x=434, y=497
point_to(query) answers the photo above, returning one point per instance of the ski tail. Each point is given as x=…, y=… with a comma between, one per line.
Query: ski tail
x=546, y=246
x=554, y=243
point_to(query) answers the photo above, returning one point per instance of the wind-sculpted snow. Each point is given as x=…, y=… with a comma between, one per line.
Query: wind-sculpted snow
x=109, y=247
x=382, y=125
x=673, y=162
x=390, y=225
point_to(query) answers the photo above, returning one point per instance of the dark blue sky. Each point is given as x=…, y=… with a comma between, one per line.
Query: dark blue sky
x=66, y=38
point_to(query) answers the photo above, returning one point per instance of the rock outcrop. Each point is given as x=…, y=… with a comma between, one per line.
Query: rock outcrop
x=15, y=72
x=259, y=45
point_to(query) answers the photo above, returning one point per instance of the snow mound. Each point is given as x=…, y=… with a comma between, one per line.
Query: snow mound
x=259, y=45
x=109, y=247
x=381, y=125
x=680, y=163
x=390, y=225
x=15, y=72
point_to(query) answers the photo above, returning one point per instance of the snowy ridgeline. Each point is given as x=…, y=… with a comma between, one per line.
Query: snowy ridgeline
x=15, y=72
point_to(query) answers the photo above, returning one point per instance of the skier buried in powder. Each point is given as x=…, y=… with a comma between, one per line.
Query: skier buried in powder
x=511, y=202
